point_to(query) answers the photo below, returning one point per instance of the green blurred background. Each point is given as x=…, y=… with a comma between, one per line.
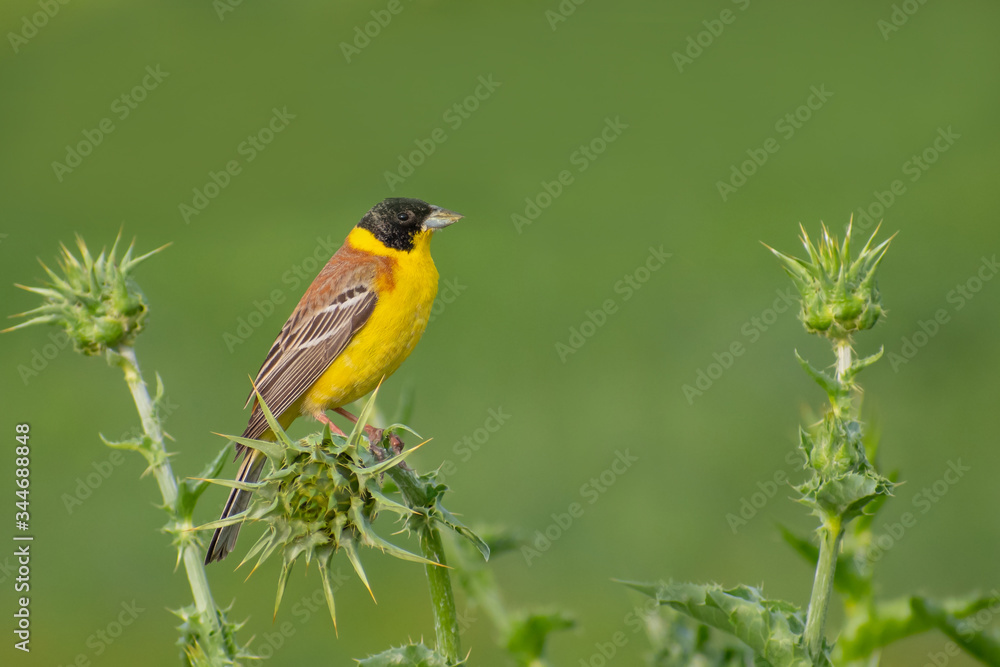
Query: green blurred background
x=519, y=290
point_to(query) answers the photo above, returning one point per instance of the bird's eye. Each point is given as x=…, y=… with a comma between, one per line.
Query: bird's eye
x=404, y=216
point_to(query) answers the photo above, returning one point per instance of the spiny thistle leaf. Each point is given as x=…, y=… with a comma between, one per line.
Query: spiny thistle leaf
x=397, y=427
x=143, y=445
x=412, y=655
x=364, y=417
x=324, y=575
x=379, y=468
x=772, y=628
x=190, y=490
x=983, y=645
x=286, y=569
x=372, y=539
x=271, y=421
x=347, y=544
x=863, y=363
x=680, y=641
x=843, y=479
x=202, y=646
x=447, y=518
x=133, y=444
x=271, y=450
x=892, y=620
x=824, y=380
x=500, y=539
x=529, y=633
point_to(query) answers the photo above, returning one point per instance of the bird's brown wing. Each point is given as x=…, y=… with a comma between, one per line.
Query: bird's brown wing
x=333, y=309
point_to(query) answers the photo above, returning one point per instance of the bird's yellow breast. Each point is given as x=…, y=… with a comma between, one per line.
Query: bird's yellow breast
x=406, y=289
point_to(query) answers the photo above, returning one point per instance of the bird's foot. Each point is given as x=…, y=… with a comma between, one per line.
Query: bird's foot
x=323, y=419
x=375, y=435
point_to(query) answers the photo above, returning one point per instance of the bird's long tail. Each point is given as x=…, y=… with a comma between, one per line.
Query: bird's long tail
x=224, y=539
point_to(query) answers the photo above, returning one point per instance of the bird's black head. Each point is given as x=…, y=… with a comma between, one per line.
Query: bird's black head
x=397, y=221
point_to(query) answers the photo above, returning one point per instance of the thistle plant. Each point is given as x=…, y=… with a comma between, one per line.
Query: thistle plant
x=680, y=641
x=322, y=496
x=839, y=300
x=97, y=303
x=320, y=499
x=324, y=493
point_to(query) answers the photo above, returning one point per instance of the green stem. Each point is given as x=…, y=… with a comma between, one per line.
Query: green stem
x=844, y=358
x=832, y=530
x=819, y=602
x=160, y=464
x=446, y=632
x=841, y=401
x=442, y=597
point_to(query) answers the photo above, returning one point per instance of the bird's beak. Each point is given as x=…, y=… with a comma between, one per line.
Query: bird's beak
x=440, y=218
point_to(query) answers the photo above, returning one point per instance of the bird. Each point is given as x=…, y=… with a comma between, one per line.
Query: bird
x=356, y=323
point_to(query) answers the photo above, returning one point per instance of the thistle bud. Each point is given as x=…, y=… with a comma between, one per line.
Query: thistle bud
x=94, y=299
x=321, y=498
x=839, y=295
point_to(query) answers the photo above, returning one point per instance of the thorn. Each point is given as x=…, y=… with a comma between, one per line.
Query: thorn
x=370, y=591
x=251, y=574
